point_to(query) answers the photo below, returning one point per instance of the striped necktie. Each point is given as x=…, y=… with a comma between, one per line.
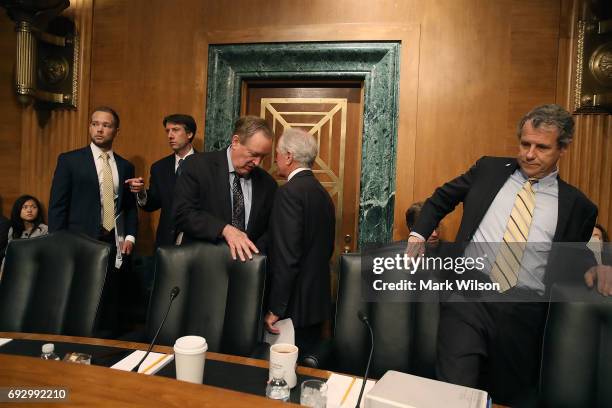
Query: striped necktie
x=108, y=194
x=238, y=204
x=508, y=261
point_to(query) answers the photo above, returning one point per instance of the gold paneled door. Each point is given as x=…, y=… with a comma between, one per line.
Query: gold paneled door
x=332, y=113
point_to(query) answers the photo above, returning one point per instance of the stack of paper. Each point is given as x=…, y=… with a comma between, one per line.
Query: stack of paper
x=343, y=391
x=152, y=364
x=400, y=390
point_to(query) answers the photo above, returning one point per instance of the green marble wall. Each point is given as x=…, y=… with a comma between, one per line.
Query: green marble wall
x=376, y=63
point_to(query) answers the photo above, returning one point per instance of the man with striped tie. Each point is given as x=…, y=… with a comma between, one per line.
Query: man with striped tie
x=510, y=201
x=88, y=194
x=225, y=195
x=88, y=191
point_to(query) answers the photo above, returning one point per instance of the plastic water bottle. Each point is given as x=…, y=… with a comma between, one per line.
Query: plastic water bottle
x=48, y=352
x=277, y=387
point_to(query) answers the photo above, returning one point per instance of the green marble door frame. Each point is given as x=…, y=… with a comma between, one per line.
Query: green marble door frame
x=376, y=63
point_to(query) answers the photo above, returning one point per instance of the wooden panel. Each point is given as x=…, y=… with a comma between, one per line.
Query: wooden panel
x=66, y=129
x=10, y=118
x=146, y=65
x=588, y=162
x=483, y=65
x=469, y=69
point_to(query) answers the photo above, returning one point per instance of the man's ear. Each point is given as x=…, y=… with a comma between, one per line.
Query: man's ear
x=235, y=141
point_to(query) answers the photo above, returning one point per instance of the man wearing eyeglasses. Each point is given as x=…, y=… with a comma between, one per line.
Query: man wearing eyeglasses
x=225, y=195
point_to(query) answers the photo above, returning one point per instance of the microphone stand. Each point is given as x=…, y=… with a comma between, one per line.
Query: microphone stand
x=173, y=294
x=365, y=321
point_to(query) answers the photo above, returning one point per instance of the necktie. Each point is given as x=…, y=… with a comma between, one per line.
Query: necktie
x=238, y=204
x=179, y=168
x=508, y=261
x=108, y=194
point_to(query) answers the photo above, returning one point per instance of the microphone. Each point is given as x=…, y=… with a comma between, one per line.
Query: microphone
x=362, y=316
x=173, y=294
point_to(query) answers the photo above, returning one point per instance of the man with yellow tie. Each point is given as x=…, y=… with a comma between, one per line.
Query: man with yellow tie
x=88, y=193
x=509, y=202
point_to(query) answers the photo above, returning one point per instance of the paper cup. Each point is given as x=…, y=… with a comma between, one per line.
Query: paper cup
x=284, y=356
x=189, y=358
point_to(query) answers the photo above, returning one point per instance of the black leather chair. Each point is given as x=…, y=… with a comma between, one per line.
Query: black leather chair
x=53, y=284
x=220, y=299
x=404, y=332
x=577, y=351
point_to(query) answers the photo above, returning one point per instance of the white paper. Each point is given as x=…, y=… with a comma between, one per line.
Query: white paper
x=158, y=359
x=119, y=238
x=3, y=341
x=287, y=333
x=337, y=386
x=398, y=389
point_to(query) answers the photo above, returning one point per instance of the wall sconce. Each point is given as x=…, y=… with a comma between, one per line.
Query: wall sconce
x=47, y=54
x=593, y=84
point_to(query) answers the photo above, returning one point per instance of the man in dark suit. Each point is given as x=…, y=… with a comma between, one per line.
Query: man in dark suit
x=181, y=130
x=78, y=197
x=496, y=345
x=302, y=227
x=225, y=194
x=88, y=193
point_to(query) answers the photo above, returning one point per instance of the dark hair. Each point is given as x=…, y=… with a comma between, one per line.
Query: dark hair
x=17, y=222
x=107, y=110
x=550, y=115
x=247, y=126
x=412, y=214
x=187, y=121
x=604, y=234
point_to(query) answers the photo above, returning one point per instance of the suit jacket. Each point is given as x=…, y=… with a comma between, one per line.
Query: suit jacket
x=477, y=189
x=75, y=205
x=161, y=195
x=302, y=228
x=202, y=202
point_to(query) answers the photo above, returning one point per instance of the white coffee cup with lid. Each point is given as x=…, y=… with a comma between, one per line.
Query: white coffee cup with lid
x=189, y=358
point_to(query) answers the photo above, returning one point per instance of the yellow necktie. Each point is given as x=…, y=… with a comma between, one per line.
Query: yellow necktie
x=508, y=261
x=108, y=194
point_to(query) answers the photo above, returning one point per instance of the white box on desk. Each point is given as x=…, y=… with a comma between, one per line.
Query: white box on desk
x=400, y=390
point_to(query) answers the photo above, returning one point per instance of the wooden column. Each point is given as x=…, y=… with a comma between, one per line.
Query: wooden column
x=588, y=162
x=66, y=129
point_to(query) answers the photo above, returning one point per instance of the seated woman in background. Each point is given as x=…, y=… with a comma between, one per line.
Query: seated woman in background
x=27, y=219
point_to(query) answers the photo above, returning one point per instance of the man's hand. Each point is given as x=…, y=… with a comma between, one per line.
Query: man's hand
x=602, y=276
x=136, y=184
x=239, y=243
x=415, y=247
x=270, y=319
x=127, y=247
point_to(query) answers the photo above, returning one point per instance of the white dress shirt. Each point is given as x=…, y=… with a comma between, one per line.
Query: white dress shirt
x=99, y=162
